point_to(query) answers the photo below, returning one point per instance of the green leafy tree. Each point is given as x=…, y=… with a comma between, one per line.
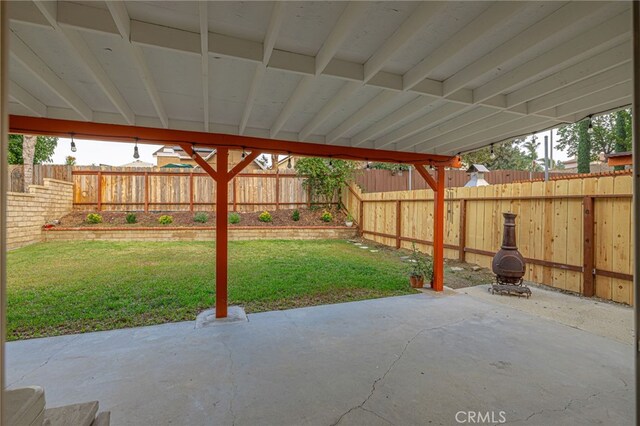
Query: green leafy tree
x=623, y=141
x=394, y=167
x=45, y=146
x=325, y=178
x=506, y=156
x=530, y=147
x=584, y=147
x=70, y=160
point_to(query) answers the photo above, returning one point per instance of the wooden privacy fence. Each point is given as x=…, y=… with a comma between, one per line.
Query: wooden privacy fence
x=40, y=172
x=183, y=190
x=574, y=233
x=375, y=180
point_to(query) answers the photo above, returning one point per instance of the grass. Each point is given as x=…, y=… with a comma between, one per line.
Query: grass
x=62, y=288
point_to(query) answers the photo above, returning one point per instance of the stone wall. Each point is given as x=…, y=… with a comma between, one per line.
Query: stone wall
x=236, y=233
x=27, y=212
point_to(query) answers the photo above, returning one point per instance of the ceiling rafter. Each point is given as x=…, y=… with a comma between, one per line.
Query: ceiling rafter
x=346, y=91
x=298, y=95
x=120, y=17
x=203, y=8
x=27, y=100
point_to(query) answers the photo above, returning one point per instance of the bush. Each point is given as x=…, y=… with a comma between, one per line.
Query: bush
x=265, y=216
x=165, y=219
x=131, y=218
x=420, y=265
x=326, y=216
x=94, y=218
x=201, y=217
x=234, y=218
x=296, y=215
x=349, y=218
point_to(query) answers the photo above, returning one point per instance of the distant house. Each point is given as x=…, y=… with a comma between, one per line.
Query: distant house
x=138, y=163
x=175, y=156
x=598, y=166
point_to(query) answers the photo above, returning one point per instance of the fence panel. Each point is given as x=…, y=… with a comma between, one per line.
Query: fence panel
x=571, y=231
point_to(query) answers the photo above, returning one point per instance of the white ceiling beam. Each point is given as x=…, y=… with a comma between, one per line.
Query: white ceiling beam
x=277, y=15
x=49, y=10
x=27, y=100
x=493, y=16
x=120, y=17
x=599, y=38
x=548, y=27
x=429, y=120
x=347, y=22
x=406, y=112
x=203, y=8
x=609, y=59
x=345, y=92
x=253, y=92
x=369, y=108
x=618, y=104
x=300, y=92
x=420, y=17
x=605, y=80
x=596, y=99
x=26, y=57
x=474, y=118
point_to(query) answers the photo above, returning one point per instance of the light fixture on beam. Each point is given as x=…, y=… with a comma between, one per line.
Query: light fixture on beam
x=193, y=152
x=492, y=152
x=289, y=162
x=244, y=153
x=590, y=128
x=73, y=144
x=136, y=154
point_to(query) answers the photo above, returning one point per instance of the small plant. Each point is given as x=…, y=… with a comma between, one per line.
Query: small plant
x=326, y=216
x=165, y=219
x=201, y=217
x=131, y=218
x=420, y=265
x=265, y=216
x=349, y=218
x=296, y=215
x=234, y=218
x=94, y=218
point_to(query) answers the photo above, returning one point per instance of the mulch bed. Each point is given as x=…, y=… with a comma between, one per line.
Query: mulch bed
x=308, y=217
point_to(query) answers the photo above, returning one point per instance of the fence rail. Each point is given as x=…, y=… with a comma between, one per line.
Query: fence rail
x=574, y=234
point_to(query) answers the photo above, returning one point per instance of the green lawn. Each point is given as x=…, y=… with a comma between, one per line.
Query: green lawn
x=62, y=288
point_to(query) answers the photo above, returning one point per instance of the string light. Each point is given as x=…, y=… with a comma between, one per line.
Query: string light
x=136, y=154
x=368, y=165
x=289, y=162
x=590, y=128
x=244, y=153
x=330, y=162
x=193, y=152
x=493, y=154
x=73, y=144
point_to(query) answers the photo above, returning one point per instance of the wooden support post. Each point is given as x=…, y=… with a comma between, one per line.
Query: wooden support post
x=4, y=136
x=235, y=195
x=146, y=192
x=398, y=224
x=191, y=195
x=462, y=237
x=222, y=194
x=438, y=232
x=588, y=281
x=99, y=191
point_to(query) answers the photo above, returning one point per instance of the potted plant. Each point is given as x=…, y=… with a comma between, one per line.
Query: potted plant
x=349, y=220
x=420, y=268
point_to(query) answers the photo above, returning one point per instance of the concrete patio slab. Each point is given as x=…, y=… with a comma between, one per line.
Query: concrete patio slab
x=404, y=360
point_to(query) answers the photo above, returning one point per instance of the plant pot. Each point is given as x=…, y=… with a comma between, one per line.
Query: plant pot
x=416, y=281
x=349, y=224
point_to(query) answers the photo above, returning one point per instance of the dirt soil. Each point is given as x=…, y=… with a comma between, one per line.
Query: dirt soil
x=308, y=217
x=453, y=276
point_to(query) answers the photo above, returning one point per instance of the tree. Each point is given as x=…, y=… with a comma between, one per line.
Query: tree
x=325, y=177
x=584, y=147
x=70, y=160
x=604, y=137
x=394, y=167
x=623, y=143
x=531, y=153
x=506, y=156
x=28, y=152
x=43, y=149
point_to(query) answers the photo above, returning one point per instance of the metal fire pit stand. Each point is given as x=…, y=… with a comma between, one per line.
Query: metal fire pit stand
x=519, y=289
x=508, y=264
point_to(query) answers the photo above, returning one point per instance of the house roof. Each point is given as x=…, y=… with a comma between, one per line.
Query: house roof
x=420, y=77
x=477, y=168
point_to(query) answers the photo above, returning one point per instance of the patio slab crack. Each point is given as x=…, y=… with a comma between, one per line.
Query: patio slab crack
x=233, y=383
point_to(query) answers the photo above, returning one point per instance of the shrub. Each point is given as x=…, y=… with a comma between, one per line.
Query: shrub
x=349, y=218
x=165, y=219
x=201, y=217
x=234, y=218
x=296, y=215
x=420, y=265
x=265, y=216
x=326, y=216
x=131, y=218
x=94, y=218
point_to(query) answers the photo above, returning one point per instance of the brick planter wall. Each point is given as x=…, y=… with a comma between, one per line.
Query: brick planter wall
x=27, y=212
x=236, y=233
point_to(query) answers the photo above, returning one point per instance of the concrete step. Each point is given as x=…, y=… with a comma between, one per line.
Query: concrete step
x=102, y=419
x=25, y=406
x=83, y=414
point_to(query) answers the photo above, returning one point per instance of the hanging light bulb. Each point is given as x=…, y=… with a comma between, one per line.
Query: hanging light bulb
x=136, y=154
x=368, y=165
x=534, y=137
x=73, y=144
x=289, y=162
x=590, y=128
x=244, y=153
x=193, y=153
x=493, y=154
x=330, y=162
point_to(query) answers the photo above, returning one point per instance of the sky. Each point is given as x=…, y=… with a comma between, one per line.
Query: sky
x=119, y=153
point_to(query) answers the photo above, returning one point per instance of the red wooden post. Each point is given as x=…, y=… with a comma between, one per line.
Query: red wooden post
x=398, y=224
x=222, y=208
x=588, y=284
x=99, y=190
x=146, y=192
x=191, y=196
x=438, y=232
x=462, y=238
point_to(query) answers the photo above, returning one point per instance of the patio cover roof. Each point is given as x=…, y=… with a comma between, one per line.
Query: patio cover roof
x=420, y=77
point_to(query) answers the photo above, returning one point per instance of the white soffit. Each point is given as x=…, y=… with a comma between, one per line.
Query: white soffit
x=413, y=76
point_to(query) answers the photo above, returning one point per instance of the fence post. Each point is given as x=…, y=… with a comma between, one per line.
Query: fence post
x=146, y=192
x=99, y=190
x=588, y=284
x=361, y=218
x=398, y=224
x=309, y=197
x=235, y=195
x=462, y=237
x=191, y=191
x=277, y=188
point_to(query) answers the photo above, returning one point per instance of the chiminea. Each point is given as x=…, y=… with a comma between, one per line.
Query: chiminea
x=508, y=264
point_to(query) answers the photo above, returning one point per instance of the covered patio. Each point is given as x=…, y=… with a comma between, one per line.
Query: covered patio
x=404, y=82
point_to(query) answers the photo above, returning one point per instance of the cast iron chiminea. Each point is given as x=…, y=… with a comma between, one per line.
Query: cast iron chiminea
x=508, y=264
